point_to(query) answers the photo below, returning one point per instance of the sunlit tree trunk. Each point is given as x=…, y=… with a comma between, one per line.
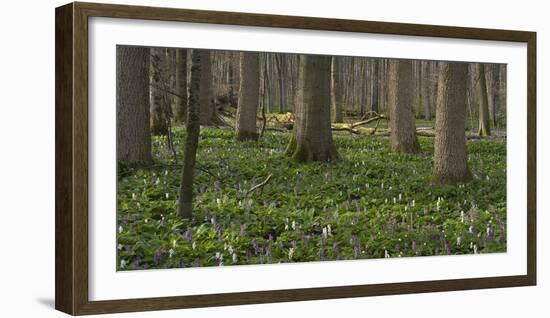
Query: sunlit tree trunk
x=401, y=99
x=249, y=91
x=133, y=134
x=311, y=139
x=450, y=158
x=191, y=139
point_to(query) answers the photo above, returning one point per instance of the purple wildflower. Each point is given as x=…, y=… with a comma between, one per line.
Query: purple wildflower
x=188, y=235
x=413, y=245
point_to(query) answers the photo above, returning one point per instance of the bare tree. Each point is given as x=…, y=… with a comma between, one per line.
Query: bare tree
x=311, y=139
x=450, y=159
x=249, y=96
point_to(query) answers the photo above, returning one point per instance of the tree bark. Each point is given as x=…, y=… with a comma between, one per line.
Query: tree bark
x=249, y=90
x=450, y=159
x=425, y=90
x=484, y=120
x=311, y=139
x=192, y=137
x=207, y=108
x=337, y=116
x=132, y=83
x=181, y=85
x=159, y=113
x=401, y=98
x=375, y=85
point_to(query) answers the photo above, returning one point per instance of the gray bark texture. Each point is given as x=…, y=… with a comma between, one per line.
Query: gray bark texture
x=159, y=109
x=207, y=109
x=400, y=101
x=311, y=139
x=132, y=96
x=249, y=96
x=336, y=97
x=484, y=120
x=191, y=139
x=450, y=158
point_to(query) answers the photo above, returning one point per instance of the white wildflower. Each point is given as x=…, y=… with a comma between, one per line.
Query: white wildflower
x=461, y=216
x=475, y=249
x=386, y=254
x=458, y=240
x=122, y=263
x=325, y=232
x=290, y=253
x=400, y=196
x=234, y=257
x=120, y=229
x=329, y=230
x=133, y=196
x=171, y=252
x=194, y=245
x=120, y=246
x=293, y=225
x=173, y=243
x=413, y=203
x=167, y=195
x=394, y=200
x=157, y=181
x=471, y=228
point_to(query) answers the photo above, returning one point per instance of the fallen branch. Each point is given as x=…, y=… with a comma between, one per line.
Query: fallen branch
x=370, y=120
x=260, y=185
x=352, y=131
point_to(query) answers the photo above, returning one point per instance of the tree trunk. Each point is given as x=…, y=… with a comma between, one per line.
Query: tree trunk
x=375, y=85
x=450, y=159
x=484, y=120
x=425, y=90
x=337, y=116
x=132, y=87
x=181, y=85
x=401, y=98
x=207, y=109
x=192, y=137
x=159, y=113
x=311, y=139
x=249, y=90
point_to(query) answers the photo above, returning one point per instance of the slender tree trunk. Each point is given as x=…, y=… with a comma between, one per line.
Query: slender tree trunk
x=450, y=159
x=401, y=98
x=337, y=116
x=484, y=121
x=311, y=139
x=192, y=138
x=208, y=110
x=181, y=85
x=248, y=96
x=159, y=114
x=375, y=86
x=133, y=134
x=425, y=90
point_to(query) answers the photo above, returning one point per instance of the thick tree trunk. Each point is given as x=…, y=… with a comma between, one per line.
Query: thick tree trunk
x=249, y=90
x=207, y=109
x=311, y=139
x=450, y=159
x=159, y=109
x=192, y=138
x=337, y=115
x=132, y=87
x=484, y=120
x=401, y=98
x=181, y=85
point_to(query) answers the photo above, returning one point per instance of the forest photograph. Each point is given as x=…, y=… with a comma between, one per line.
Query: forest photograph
x=231, y=158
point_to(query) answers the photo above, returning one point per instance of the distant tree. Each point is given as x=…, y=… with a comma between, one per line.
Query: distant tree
x=192, y=138
x=208, y=108
x=311, y=138
x=425, y=89
x=375, y=99
x=336, y=98
x=484, y=120
x=181, y=85
x=132, y=83
x=159, y=110
x=450, y=159
x=249, y=96
x=401, y=98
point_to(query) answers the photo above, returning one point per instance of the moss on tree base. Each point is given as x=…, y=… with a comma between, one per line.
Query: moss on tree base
x=247, y=136
x=446, y=179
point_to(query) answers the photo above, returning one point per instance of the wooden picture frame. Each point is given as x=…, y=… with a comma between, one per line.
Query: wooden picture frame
x=71, y=89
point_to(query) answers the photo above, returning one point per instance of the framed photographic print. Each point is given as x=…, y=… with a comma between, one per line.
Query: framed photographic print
x=211, y=158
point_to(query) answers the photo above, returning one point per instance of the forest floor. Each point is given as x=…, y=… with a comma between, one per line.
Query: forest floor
x=370, y=204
